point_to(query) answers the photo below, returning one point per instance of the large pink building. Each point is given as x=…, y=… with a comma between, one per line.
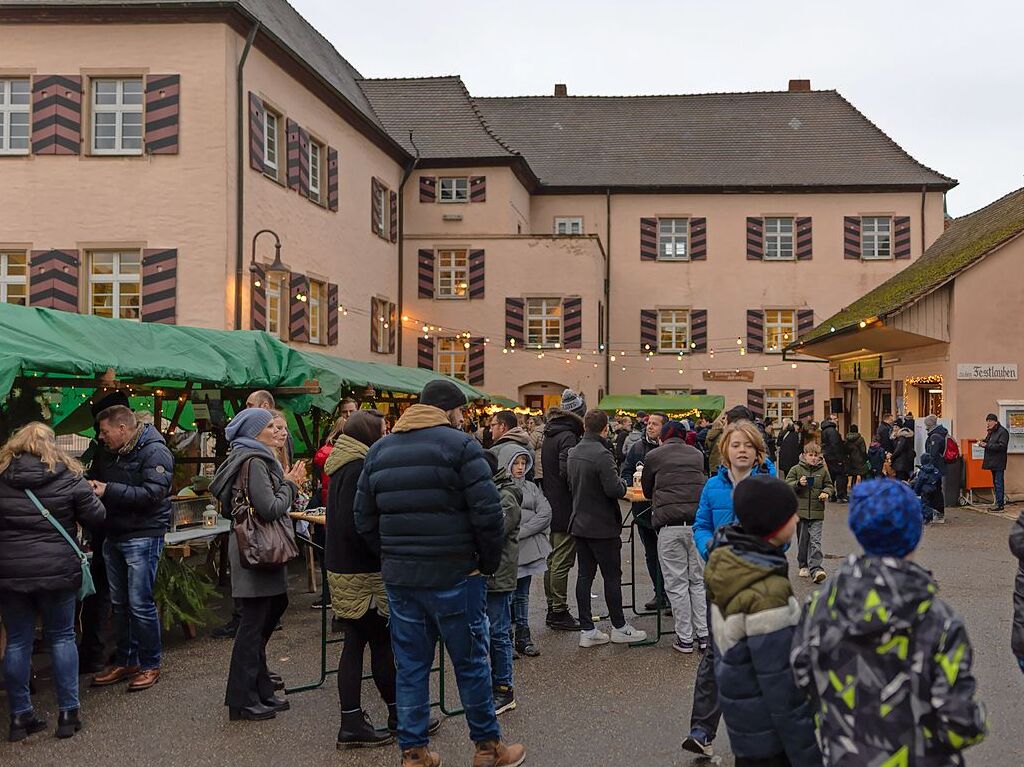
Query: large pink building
x=617, y=245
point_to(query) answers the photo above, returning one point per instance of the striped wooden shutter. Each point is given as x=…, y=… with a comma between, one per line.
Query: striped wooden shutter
x=649, y=391
x=53, y=280
x=332, y=314
x=257, y=119
x=699, y=330
x=755, y=238
x=56, y=114
x=298, y=310
x=851, y=238
x=803, y=238
x=805, y=404
x=698, y=238
x=804, y=321
x=425, y=272
x=755, y=331
x=375, y=311
x=162, y=104
x=425, y=353
x=159, y=285
x=292, y=133
x=303, y=162
x=515, y=308
x=572, y=322
x=901, y=238
x=393, y=205
x=648, y=330
x=755, y=402
x=698, y=392
x=258, y=298
x=476, y=361
x=478, y=189
x=648, y=239
x=392, y=316
x=428, y=188
x=376, y=214
x=476, y=274
x=332, y=179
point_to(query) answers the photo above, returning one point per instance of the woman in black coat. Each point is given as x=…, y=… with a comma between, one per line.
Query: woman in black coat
x=256, y=436
x=40, y=574
x=790, y=445
x=903, y=453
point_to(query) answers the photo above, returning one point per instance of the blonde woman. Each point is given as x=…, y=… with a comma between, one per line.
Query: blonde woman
x=40, y=573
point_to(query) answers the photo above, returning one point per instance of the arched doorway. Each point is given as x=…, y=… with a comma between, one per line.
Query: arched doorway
x=542, y=395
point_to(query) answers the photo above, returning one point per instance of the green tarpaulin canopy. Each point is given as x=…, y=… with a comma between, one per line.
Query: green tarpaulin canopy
x=705, y=403
x=497, y=399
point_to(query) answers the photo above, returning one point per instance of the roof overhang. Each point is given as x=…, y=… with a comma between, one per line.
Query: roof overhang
x=520, y=167
x=598, y=188
x=876, y=338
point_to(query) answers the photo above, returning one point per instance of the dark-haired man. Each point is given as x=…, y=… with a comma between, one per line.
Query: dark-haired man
x=642, y=510
x=507, y=436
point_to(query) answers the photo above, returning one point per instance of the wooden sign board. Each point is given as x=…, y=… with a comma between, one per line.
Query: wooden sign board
x=729, y=375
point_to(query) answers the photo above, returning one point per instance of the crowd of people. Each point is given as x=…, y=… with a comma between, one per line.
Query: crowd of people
x=432, y=537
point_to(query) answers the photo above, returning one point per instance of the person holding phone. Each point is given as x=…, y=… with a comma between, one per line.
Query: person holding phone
x=811, y=481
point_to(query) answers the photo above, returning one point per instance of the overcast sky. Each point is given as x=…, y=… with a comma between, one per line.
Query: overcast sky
x=942, y=78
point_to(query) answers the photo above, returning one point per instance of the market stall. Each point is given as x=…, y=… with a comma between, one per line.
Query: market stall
x=674, y=406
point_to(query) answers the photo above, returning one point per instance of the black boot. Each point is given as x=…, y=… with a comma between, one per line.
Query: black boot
x=276, y=703
x=432, y=726
x=255, y=713
x=357, y=732
x=68, y=723
x=23, y=725
x=562, y=620
x=525, y=645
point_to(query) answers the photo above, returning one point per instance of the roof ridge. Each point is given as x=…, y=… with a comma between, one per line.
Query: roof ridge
x=983, y=208
x=408, y=79
x=305, y=21
x=483, y=122
x=660, y=95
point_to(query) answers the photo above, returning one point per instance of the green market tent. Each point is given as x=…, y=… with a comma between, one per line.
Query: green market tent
x=708, y=404
x=497, y=399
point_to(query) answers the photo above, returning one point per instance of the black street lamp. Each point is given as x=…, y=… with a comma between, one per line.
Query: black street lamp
x=276, y=268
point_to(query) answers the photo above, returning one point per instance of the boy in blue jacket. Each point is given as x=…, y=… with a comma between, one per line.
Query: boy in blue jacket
x=928, y=487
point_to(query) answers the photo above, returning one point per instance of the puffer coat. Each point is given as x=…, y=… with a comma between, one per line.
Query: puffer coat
x=535, y=523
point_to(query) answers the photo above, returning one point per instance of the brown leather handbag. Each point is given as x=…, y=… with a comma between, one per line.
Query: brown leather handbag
x=262, y=545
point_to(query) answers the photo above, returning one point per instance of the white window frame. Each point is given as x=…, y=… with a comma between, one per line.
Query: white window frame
x=7, y=280
x=678, y=235
x=116, y=279
x=277, y=300
x=776, y=326
x=675, y=391
x=453, y=189
x=271, y=139
x=7, y=112
x=451, y=266
x=549, y=313
x=315, y=158
x=452, y=358
x=780, y=403
x=316, y=305
x=568, y=225
x=874, y=230
x=119, y=110
x=677, y=323
x=385, y=212
x=779, y=238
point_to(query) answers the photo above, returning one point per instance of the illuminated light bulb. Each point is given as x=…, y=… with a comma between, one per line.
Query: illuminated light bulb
x=487, y=340
x=647, y=346
x=405, y=318
x=595, y=364
x=765, y=367
x=743, y=352
x=558, y=345
x=567, y=362
x=680, y=372
x=426, y=328
x=623, y=368
x=464, y=346
x=512, y=341
x=793, y=366
x=863, y=323
x=258, y=284
x=579, y=356
x=613, y=358
x=693, y=344
x=831, y=328
x=385, y=326
x=504, y=351
x=785, y=336
x=344, y=312
x=540, y=356
x=739, y=341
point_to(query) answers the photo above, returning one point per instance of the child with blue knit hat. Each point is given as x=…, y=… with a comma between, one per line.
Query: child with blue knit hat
x=884, y=660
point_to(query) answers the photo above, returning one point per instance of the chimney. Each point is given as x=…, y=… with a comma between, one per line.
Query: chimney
x=796, y=86
x=561, y=90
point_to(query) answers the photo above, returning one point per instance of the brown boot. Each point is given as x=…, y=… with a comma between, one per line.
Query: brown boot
x=114, y=675
x=494, y=753
x=144, y=680
x=421, y=756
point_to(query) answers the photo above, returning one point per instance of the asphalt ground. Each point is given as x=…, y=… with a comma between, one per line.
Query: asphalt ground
x=610, y=705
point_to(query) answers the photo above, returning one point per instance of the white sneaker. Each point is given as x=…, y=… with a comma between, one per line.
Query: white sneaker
x=805, y=572
x=593, y=638
x=628, y=635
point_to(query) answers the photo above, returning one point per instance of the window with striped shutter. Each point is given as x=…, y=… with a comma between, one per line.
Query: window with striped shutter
x=53, y=279
x=699, y=330
x=755, y=238
x=851, y=238
x=56, y=114
x=476, y=361
x=476, y=274
x=393, y=206
x=755, y=331
x=805, y=404
x=425, y=272
x=298, y=308
x=428, y=188
x=478, y=189
x=292, y=131
x=376, y=208
x=376, y=311
x=392, y=316
x=258, y=298
x=257, y=117
x=572, y=322
x=698, y=238
x=648, y=330
x=649, y=391
x=332, y=314
x=159, y=285
x=303, y=162
x=332, y=179
x=162, y=104
x=425, y=353
x=648, y=239
x=698, y=392
x=514, y=311
x=803, y=238
x=804, y=321
x=901, y=237
x=755, y=402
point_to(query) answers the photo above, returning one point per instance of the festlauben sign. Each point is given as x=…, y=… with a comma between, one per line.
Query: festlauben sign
x=986, y=371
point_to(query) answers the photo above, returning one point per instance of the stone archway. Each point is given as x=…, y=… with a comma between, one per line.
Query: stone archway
x=542, y=395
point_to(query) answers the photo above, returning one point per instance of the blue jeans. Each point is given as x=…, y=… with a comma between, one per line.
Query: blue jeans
x=458, y=617
x=131, y=570
x=521, y=605
x=19, y=611
x=499, y=617
x=999, y=485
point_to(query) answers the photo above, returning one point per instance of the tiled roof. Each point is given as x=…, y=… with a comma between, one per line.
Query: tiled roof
x=774, y=139
x=440, y=113
x=965, y=241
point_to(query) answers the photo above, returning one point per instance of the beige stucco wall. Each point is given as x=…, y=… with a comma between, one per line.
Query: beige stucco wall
x=506, y=210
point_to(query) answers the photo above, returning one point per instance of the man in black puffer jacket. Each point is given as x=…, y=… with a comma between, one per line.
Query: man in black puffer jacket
x=427, y=503
x=834, y=453
x=134, y=485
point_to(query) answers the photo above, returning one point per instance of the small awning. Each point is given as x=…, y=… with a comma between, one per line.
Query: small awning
x=707, y=404
x=497, y=399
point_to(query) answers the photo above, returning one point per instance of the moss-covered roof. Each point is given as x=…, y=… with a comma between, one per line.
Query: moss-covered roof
x=965, y=241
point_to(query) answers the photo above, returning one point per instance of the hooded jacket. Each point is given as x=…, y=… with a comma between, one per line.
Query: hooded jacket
x=635, y=435
x=33, y=555
x=673, y=479
x=929, y=479
x=754, y=615
x=138, y=488
x=510, y=440
x=935, y=444
x=562, y=432
x=1017, y=549
x=832, y=444
x=855, y=453
x=876, y=457
x=903, y=451
x=888, y=666
x=535, y=523
x=809, y=506
x=427, y=503
x=715, y=506
x=596, y=489
x=505, y=577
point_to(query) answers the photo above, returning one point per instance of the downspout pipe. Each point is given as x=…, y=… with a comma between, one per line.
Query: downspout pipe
x=924, y=241
x=240, y=173
x=406, y=173
x=607, y=290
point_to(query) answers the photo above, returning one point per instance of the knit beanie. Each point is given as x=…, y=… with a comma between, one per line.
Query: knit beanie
x=114, y=398
x=930, y=421
x=248, y=423
x=885, y=516
x=573, y=402
x=442, y=394
x=763, y=505
x=673, y=429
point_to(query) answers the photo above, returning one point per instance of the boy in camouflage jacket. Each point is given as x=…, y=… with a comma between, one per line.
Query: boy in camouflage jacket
x=885, y=662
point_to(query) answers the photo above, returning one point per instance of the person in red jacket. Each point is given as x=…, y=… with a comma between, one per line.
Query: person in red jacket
x=348, y=407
